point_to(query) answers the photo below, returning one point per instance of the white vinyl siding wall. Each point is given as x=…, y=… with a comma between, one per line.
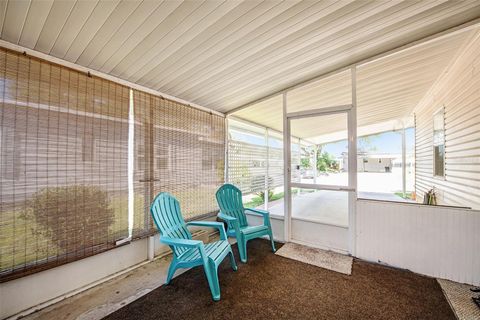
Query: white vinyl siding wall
x=458, y=91
x=440, y=242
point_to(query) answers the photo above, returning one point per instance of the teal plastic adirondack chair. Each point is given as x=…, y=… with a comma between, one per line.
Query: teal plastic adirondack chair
x=189, y=253
x=232, y=211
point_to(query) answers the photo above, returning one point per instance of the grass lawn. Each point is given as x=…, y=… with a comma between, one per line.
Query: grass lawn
x=408, y=194
x=258, y=201
x=22, y=240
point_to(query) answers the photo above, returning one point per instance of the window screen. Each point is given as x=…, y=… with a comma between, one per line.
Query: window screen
x=247, y=158
x=182, y=152
x=63, y=177
x=439, y=144
x=254, y=154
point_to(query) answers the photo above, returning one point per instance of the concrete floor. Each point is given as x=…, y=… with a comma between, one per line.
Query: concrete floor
x=460, y=298
x=323, y=206
x=101, y=300
x=381, y=182
x=107, y=297
x=330, y=207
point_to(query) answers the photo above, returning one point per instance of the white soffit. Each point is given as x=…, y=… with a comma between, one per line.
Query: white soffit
x=388, y=89
x=222, y=54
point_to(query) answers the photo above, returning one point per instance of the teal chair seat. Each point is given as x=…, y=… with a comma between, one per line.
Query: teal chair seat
x=247, y=230
x=188, y=253
x=213, y=250
x=233, y=212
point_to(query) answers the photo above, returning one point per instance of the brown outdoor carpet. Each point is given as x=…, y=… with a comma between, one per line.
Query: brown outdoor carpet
x=273, y=287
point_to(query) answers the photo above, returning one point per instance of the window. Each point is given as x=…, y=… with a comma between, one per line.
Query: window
x=439, y=144
x=65, y=163
x=182, y=144
x=11, y=158
x=256, y=163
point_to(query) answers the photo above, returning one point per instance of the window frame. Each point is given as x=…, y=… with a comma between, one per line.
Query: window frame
x=440, y=111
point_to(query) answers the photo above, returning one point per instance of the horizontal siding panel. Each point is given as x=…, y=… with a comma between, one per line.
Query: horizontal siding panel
x=457, y=91
x=389, y=233
x=463, y=154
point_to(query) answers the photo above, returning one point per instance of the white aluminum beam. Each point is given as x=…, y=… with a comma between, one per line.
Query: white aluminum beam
x=319, y=112
x=286, y=173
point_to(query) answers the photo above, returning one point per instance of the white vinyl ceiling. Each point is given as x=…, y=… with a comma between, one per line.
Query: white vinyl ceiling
x=222, y=54
x=388, y=89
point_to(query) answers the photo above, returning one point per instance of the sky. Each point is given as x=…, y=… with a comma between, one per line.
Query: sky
x=387, y=142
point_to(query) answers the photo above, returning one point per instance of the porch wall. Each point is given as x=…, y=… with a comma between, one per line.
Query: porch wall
x=440, y=242
x=41, y=289
x=458, y=91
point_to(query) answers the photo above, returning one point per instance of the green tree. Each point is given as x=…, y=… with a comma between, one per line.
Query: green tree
x=305, y=162
x=326, y=161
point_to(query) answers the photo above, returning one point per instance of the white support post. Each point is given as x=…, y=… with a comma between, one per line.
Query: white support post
x=286, y=172
x=315, y=155
x=131, y=163
x=225, y=178
x=267, y=171
x=404, y=163
x=352, y=165
x=299, y=154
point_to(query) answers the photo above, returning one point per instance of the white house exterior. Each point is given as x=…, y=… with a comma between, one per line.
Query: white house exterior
x=371, y=162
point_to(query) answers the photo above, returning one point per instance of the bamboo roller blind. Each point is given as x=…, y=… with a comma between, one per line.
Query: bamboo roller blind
x=64, y=162
x=181, y=151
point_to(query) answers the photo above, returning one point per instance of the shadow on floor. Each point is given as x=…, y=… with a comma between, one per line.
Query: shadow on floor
x=272, y=287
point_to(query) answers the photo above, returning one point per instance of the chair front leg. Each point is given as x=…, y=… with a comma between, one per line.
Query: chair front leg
x=211, y=274
x=232, y=260
x=266, y=223
x=171, y=270
x=270, y=235
x=241, y=242
x=242, y=247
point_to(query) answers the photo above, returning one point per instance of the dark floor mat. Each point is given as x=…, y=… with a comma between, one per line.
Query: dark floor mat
x=272, y=287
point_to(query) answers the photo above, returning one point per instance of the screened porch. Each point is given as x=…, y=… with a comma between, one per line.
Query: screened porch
x=346, y=134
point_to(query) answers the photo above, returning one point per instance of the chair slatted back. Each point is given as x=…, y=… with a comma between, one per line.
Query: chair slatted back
x=168, y=218
x=229, y=200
